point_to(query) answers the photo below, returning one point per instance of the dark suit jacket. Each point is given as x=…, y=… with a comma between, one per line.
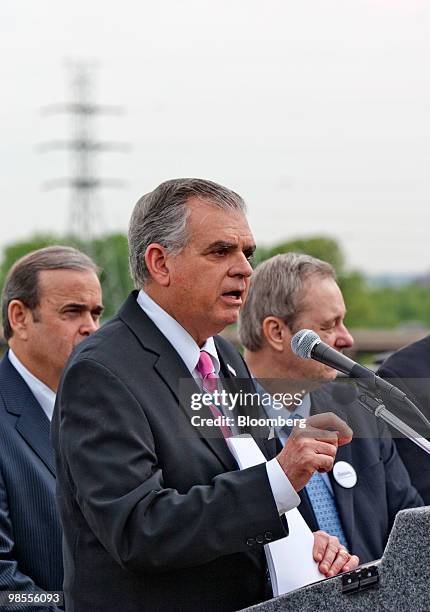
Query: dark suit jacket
x=409, y=369
x=30, y=533
x=383, y=486
x=154, y=516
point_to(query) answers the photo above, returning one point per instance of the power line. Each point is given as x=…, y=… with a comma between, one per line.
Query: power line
x=86, y=220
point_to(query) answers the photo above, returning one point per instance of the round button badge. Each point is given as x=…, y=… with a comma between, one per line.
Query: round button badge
x=344, y=474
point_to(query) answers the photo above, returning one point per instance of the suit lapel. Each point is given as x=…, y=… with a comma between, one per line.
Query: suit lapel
x=34, y=427
x=175, y=374
x=345, y=497
x=245, y=385
x=32, y=423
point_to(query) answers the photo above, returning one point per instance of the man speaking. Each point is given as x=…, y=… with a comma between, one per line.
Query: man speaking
x=156, y=517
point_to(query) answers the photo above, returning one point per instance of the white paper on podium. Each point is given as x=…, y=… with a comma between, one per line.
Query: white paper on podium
x=290, y=561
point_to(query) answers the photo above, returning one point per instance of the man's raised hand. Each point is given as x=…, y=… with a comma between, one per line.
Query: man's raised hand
x=313, y=447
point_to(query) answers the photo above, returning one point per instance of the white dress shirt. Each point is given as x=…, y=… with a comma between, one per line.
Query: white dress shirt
x=178, y=337
x=284, y=494
x=43, y=394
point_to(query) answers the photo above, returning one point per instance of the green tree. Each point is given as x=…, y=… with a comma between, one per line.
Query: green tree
x=111, y=255
x=353, y=284
x=321, y=247
x=357, y=298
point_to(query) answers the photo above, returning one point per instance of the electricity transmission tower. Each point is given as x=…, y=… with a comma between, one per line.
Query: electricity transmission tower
x=86, y=219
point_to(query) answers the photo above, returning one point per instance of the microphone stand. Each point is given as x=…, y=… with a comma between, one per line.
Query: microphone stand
x=376, y=407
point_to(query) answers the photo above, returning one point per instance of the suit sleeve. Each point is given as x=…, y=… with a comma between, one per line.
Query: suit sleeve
x=401, y=493
x=107, y=448
x=11, y=578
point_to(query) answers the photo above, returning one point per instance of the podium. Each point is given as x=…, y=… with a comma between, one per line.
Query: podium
x=398, y=582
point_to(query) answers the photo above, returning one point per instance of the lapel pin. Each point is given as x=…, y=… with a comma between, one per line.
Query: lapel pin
x=231, y=370
x=344, y=474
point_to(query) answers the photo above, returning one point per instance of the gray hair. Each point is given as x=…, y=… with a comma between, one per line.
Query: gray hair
x=22, y=281
x=276, y=289
x=161, y=217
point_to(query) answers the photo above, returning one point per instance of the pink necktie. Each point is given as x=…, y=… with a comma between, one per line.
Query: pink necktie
x=206, y=370
x=210, y=382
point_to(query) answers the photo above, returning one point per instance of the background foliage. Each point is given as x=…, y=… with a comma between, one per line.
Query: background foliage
x=369, y=305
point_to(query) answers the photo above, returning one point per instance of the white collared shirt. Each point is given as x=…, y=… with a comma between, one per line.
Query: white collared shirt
x=43, y=394
x=179, y=338
x=284, y=494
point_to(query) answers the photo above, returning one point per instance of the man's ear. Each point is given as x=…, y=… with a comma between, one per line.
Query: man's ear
x=156, y=259
x=276, y=333
x=19, y=315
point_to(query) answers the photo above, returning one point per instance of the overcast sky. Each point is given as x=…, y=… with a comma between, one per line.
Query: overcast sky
x=317, y=112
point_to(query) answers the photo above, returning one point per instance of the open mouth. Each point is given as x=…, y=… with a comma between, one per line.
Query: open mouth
x=237, y=294
x=233, y=296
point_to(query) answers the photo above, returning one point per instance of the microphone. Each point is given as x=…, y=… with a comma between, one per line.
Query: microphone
x=308, y=345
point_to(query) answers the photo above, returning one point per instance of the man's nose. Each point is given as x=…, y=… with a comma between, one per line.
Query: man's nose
x=242, y=267
x=344, y=339
x=89, y=325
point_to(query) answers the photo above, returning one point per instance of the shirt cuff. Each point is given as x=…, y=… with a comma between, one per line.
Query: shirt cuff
x=285, y=496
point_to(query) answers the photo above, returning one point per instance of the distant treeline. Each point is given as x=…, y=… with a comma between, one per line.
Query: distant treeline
x=368, y=306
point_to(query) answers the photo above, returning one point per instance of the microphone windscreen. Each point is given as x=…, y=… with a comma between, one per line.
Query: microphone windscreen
x=303, y=342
